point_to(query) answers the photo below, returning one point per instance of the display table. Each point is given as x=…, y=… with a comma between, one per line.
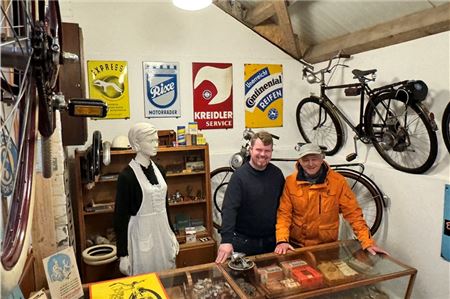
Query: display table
x=334, y=270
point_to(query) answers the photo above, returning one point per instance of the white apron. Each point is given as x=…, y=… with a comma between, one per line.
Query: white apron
x=152, y=246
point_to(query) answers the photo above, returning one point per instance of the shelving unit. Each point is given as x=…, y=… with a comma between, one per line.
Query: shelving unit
x=189, y=195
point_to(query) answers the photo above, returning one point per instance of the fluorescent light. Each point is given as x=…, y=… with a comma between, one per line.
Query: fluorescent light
x=191, y=4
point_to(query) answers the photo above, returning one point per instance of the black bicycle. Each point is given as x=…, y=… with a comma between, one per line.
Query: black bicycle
x=31, y=55
x=394, y=119
x=370, y=197
x=446, y=126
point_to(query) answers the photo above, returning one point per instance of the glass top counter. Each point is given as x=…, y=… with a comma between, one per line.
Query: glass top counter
x=341, y=268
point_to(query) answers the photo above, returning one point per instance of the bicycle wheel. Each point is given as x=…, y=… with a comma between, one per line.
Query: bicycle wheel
x=446, y=126
x=402, y=134
x=145, y=293
x=370, y=200
x=21, y=35
x=219, y=183
x=319, y=124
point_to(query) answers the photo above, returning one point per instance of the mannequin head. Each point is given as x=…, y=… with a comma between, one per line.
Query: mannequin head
x=143, y=139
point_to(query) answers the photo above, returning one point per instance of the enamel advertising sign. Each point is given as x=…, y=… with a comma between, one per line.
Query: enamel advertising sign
x=263, y=95
x=213, y=95
x=108, y=81
x=161, y=89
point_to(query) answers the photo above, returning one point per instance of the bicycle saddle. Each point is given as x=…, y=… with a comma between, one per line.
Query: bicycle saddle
x=360, y=74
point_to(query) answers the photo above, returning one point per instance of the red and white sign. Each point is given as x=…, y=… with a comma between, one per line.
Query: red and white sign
x=213, y=95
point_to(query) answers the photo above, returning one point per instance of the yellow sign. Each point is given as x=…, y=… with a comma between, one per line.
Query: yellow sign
x=140, y=286
x=263, y=95
x=108, y=81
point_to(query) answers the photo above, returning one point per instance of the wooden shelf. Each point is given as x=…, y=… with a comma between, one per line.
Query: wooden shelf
x=187, y=202
x=184, y=173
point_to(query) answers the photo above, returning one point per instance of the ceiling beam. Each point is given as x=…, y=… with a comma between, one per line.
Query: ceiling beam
x=413, y=26
x=260, y=13
x=281, y=34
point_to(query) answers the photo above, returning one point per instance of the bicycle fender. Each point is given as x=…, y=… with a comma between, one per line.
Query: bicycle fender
x=429, y=115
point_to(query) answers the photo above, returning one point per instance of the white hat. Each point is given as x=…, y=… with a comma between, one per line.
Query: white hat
x=120, y=142
x=309, y=149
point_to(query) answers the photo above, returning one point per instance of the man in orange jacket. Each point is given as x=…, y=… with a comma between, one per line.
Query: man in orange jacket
x=309, y=207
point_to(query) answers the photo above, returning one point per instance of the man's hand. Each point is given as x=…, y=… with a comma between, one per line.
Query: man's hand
x=283, y=248
x=373, y=250
x=125, y=266
x=224, y=252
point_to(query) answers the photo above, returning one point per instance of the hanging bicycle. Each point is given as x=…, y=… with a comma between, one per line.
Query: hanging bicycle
x=394, y=119
x=369, y=195
x=31, y=53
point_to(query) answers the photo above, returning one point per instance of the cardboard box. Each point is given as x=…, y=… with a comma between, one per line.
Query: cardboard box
x=307, y=276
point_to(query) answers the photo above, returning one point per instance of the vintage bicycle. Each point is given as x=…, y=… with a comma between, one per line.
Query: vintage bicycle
x=370, y=198
x=136, y=292
x=394, y=119
x=31, y=55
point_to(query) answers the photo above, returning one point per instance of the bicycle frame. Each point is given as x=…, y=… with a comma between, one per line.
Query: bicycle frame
x=364, y=90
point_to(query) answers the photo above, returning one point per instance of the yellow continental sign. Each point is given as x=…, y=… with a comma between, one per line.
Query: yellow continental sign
x=140, y=286
x=108, y=81
x=263, y=95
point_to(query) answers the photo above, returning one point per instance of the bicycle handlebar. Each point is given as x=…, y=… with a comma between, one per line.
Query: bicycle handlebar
x=308, y=68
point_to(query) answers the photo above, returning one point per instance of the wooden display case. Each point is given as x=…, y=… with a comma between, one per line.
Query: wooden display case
x=189, y=195
x=374, y=277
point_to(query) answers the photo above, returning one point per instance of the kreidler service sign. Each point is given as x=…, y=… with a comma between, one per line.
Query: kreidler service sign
x=213, y=95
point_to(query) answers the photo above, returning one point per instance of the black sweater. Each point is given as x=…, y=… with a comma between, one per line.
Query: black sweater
x=251, y=202
x=128, y=203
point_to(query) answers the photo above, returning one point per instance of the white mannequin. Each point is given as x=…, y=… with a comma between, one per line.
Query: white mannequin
x=143, y=138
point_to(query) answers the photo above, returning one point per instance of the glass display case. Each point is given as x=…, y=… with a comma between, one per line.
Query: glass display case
x=336, y=270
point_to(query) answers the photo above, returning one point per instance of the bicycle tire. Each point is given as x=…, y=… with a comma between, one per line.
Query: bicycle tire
x=319, y=124
x=446, y=126
x=369, y=196
x=219, y=182
x=17, y=114
x=18, y=125
x=146, y=293
x=401, y=132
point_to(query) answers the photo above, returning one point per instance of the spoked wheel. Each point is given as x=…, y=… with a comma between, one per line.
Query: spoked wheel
x=446, y=126
x=402, y=134
x=219, y=183
x=320, y=125
x=21, y=80
x=370, y=199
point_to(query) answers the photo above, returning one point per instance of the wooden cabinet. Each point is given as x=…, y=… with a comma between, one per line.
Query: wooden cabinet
x=189, y=204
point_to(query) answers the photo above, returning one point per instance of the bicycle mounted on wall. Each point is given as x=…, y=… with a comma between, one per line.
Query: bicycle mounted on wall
x=370, y=198
x=394, y=119
x=31, y=55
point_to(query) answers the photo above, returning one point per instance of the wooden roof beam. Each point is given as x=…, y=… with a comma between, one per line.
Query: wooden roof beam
x=280, y=34
x=260, y=13
x=413, y=26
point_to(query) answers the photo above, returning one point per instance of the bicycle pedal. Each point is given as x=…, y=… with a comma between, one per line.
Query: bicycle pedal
x=351, y=157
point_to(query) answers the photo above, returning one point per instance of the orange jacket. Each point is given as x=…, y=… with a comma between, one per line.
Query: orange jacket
x=309, y=214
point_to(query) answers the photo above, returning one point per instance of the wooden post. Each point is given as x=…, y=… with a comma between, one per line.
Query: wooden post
x=43, y=231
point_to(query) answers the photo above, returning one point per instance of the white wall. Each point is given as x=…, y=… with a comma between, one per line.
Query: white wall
x=157, y=31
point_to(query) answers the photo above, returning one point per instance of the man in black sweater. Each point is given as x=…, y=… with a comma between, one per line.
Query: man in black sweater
x=250, y=205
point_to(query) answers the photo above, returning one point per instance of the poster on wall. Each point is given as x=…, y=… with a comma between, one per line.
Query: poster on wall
x=161, y=89
x=62, y=274
x=263, y=95
x=108, y=81
x=213, y=95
